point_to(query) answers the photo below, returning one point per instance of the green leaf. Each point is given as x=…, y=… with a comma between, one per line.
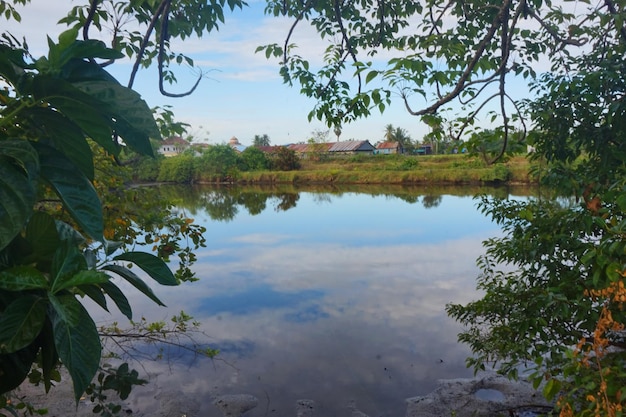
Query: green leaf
x=134, y=280
x=118, y=298
x=41, y=233
x=20, y=278
x=134, y=120
x=85, y=277
x=66, y=262
x=21, y=322
x=66, y=136
x=14, y=367
x=19, y=169
x=370, y=76
x=91, y=115
x=551, y=388
x=152, y=265
x=77, y=193
x=95, y=293
x=77, y=342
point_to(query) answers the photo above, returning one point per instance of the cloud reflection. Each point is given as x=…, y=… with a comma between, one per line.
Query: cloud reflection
x=333, y=322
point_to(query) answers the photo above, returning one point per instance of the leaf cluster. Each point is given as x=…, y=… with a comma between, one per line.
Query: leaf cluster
x=53, y=249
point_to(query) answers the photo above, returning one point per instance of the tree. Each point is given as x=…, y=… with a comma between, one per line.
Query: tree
x=55, y=247
x=285, y=159
x=389, y=133
x=254, y=159
x=553, y=285
x=261, y=140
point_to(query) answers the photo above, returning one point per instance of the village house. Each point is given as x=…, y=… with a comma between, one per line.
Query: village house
x=390, y=148
x=349, y=147
x=174, y=145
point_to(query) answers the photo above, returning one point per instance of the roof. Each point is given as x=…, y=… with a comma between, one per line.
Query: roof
x=388, y=145
x=175, y=140
x=351, y=146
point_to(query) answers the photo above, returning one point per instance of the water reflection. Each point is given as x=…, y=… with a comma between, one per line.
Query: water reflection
x=331, y=295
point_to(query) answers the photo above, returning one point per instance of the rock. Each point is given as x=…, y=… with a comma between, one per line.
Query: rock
x=304, y=408
x=235, y=405
x=492, y=395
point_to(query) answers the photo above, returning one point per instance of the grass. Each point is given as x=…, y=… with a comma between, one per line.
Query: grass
x=400, y=169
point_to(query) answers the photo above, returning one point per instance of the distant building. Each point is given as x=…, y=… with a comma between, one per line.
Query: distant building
x=350, y=147
x=174, y=145
x=390, y=147
x=424, y=150
x=234, y=143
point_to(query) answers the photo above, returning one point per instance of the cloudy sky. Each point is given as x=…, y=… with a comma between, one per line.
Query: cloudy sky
x=242, y=93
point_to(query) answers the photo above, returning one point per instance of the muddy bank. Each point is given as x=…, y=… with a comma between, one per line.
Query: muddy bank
x=488, y=395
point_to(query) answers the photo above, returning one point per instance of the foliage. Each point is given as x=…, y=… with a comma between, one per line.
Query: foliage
x=56, y=243
x=488, y=144
x=284, y=159
x=553, y=284
x=261, y=140
x=177, y=168
x=218, y=162
x=253, y=159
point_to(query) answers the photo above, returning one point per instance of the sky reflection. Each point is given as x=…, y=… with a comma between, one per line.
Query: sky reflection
x=331, y=301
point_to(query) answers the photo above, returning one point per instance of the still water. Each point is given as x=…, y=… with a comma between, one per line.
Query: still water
x=336, y=296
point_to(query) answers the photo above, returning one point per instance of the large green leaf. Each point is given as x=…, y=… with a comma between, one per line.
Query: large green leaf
x=12, y=63
x=19, y=169
x=95, y=293
x=152, y=265
x=77, y=193
x=91, y=115
x=77, y=342
x=118, y=298
x=85, y=277
x=135, y=281
x=134, y=120
x=21, y=322
x=89, y=49
x=41, y=233
x=14, y=367
x=20, y=278
x=66, y=136
x=67, y=262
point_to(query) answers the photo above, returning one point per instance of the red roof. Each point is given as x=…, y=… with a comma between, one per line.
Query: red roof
x=175, y=140
x=388, y=145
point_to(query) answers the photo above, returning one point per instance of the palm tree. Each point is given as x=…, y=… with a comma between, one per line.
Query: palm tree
x=389, y=133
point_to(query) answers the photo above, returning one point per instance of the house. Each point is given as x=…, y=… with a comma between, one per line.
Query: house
x=424, y=150
x=173, y=145
x=390, y=147
x=350, y=147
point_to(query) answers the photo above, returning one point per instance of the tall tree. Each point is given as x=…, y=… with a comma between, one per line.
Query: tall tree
x=261, y=140
x=559, y=302
x=389, y=133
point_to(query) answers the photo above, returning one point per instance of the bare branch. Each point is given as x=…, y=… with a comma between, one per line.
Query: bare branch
x=462, y=82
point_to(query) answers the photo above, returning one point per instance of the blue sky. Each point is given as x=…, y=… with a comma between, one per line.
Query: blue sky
x=242, y=93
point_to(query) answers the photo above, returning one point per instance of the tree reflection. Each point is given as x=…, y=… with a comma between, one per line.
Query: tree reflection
x=287, y=201
x=224, y=203
x=430, y=201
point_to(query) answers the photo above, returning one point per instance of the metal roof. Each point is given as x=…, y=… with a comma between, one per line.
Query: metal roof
x=351, y=146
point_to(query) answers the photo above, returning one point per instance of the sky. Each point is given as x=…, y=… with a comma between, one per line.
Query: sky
x=242, y=94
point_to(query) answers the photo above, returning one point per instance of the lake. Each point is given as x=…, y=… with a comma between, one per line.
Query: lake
x=332, y=295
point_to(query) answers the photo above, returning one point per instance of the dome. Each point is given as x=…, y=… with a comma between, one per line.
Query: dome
x=234, y=141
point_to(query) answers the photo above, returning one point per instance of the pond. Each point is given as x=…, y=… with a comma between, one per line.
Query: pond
x=331, y=295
